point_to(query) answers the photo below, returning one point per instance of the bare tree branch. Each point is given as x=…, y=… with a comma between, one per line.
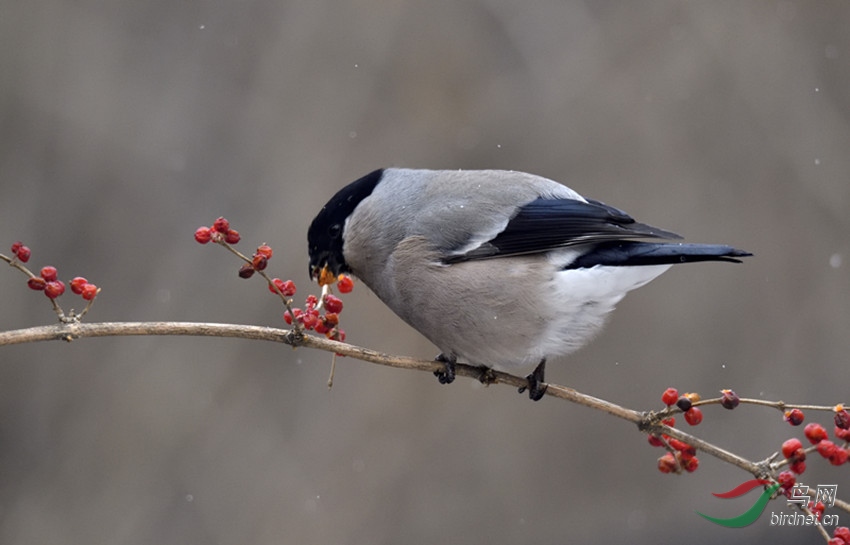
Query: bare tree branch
x=648, y=422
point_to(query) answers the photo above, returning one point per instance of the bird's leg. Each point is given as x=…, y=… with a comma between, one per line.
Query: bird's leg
x=447, y=375
x=536, y=385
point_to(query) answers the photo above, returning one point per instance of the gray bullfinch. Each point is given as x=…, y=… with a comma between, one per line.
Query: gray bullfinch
x=500, y=269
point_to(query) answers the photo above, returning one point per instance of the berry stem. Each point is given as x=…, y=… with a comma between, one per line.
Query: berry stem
x=296, y=325
x=779, y=405
x=13, y=262
x=333, y=371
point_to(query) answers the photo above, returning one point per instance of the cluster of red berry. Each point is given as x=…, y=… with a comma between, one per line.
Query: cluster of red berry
x=684, y=456
x=259, y=262
x=793, y=450
x=309, y=317
x=328, y=323
x=48, y=279
x=219, y=231
x=22, y=252
x=693, y=415
x=840, y=536
x=680, y=454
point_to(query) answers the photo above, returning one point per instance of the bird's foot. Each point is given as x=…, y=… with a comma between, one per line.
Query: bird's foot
x=446, y=375
x=487, y=376
x=536, y=386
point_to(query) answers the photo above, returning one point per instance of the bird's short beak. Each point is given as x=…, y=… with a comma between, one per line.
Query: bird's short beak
x=322, y=275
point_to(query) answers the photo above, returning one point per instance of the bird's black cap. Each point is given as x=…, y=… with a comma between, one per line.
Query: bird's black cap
x=325, y=236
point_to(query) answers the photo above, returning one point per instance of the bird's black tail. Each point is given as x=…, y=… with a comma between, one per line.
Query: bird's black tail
x=633, y=253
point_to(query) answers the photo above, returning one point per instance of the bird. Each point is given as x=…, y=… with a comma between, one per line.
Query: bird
x=500, y=269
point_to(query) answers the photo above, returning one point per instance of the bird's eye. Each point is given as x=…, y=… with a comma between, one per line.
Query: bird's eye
x=334, y=230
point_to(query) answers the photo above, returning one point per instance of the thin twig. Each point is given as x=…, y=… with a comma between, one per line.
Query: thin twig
x=779, y=405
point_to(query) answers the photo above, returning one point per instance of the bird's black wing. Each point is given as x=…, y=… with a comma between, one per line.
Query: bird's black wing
x=548, y=223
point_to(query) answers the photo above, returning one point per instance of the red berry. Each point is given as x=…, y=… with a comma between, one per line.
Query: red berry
x=287, y=288
x=259, y=262
x=836, y=541
x=309, y=320
x=221, y=225
x=322, y=327
x=791, y=446
x=670, y=421
x=842, y=532
x=794, y=417
x=345, y=284
x=311, y=301
x=798, y=467
x=246, y=271
x=203, y=235
x=54, y=289
x=16, y=246
x=77, y=284
x=693, y=416
x=826, y=448
x=24, y=254
x=89, y=292
x=786, y=480
x=839, y=457
x=232, y=236
x=333, y=303
x=690, y=463
x=340, y=335
x=287, y=317
x=332, y=318
x=655, y=441
x=265, y=251
x=814, y=432
x=729, y=400
x=842, y=417
x=682, y=447
x=36, y=283
x=667, y=463
x=842, y=433
x=670, y=396
x=48, y=273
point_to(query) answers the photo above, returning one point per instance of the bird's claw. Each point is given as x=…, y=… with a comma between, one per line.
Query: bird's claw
x=487, y=376
x=447, y=374
x=536, y=386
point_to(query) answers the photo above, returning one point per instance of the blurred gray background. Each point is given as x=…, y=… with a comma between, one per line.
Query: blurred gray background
x=125, y=125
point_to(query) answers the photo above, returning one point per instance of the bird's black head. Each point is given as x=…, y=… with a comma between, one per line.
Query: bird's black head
x=325, y=237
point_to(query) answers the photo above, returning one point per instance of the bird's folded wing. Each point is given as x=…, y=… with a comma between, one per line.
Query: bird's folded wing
x=548, y=223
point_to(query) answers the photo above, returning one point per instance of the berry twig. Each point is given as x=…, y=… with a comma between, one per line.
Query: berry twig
x=307, y=319
x=48, y=282
x=779, y=405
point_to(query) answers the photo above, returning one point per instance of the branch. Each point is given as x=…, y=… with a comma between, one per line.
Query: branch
x=646, y=421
